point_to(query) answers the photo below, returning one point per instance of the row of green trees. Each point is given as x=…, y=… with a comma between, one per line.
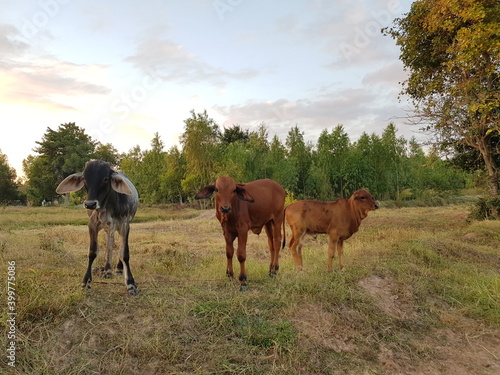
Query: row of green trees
x=390, y=166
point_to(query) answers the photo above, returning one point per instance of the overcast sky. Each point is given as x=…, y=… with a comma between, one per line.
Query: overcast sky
x=124, y=70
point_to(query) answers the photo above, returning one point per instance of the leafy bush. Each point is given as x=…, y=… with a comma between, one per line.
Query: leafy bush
x=486, y=209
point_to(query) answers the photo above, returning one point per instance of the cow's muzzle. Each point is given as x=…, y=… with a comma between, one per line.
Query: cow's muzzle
x=225, y=209
x=91, y=205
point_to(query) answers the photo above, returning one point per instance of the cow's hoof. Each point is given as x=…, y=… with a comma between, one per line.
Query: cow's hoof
x=86, y=288
x=133, y=290
x=272, y=275
x=119, y=273
x=243, y=288
x=102, y=272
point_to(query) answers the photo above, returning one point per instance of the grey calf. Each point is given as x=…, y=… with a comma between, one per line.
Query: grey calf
x=111, y=204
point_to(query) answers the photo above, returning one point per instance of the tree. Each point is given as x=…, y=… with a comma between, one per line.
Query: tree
x=282, y=169
x=299, y=154
x=331, y=155
x=258, y=154
x=61, y=152
x=106, y=152
x=234, y=134
x=174, y=173
x=200, y=142
x=394, y=150
x=131, y=163
x=152, y=168
x=451, y=49
x=363, y=160
x=67, y=149
x=8, y=186
x=41, y=183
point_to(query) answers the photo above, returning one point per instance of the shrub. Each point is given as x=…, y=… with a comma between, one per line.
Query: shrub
x=486, y=209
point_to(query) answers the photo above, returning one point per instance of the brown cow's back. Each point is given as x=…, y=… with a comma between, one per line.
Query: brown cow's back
x=316, y=216
x=269, y=198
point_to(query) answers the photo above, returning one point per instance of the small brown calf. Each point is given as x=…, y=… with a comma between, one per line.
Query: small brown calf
x=339, y=219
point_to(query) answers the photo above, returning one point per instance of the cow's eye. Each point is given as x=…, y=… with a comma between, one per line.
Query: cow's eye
x=105, y=180
x=362, y=198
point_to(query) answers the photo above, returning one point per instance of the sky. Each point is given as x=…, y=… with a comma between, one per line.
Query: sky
x=125, y=70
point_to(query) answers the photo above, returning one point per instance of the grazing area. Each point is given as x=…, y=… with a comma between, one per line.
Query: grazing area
x=419, y=294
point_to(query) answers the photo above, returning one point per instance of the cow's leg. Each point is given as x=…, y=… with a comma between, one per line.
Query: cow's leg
x=273, y=231
x=332, y=245
x=119, y=268
x=340, y=250
x=272, y=250
x=110, y=243
x=296, y=247
x=93, y=250
x=229, y=254
x=241, y=253
x=124, y=257
x=119, y=265
x=299, y=251
x=277, y=243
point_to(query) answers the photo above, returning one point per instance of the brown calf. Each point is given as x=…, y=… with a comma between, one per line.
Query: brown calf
x=244, y=207
x=339, y=219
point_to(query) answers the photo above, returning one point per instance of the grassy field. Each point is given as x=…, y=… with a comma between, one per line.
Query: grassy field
x=420, y=294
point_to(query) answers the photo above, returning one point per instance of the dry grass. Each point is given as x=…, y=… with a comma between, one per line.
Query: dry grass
x=420, y=295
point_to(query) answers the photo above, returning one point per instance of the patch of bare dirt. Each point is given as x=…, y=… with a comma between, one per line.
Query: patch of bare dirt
x=462, y=351
x=462, y=348
x=393, y=299
x=321, y=328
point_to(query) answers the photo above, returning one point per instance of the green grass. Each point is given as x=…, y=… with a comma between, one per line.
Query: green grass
x=420, y=293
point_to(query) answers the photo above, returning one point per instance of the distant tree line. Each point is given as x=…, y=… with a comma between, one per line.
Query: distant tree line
x=390, y=166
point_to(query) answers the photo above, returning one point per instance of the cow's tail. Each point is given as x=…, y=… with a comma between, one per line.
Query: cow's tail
x=284, y=232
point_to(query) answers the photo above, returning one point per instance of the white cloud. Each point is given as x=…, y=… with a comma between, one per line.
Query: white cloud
x=172, y=62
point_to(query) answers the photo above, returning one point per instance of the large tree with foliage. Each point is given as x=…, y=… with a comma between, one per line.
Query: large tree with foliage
x=451, y=49
x=60, y=153
x=66, y=149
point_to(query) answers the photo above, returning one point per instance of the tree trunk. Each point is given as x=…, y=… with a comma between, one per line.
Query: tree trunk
x=484, y=146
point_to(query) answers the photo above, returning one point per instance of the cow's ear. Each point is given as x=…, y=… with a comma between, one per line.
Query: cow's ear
x=120, y=185
x=73, y=182
x=205, y=192
x=243, y=194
